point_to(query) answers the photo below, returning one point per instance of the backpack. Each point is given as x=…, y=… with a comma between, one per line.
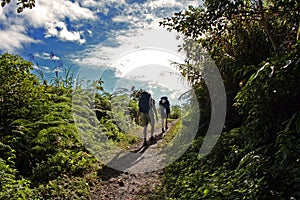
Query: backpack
x=166, y=104
x=144, y=102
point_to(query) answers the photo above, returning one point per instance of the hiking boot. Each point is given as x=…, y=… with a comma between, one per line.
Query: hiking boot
x=151, y=140
x=145, y=143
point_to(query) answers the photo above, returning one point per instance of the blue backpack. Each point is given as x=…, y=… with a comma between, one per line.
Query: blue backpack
x=144, y=102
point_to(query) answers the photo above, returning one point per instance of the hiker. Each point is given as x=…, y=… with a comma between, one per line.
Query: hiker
x=152, y=112
x=147, y=111
x=164, y=105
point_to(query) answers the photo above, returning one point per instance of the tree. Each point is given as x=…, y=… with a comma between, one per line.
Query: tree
x=39, y=141
x=239, y=36
x=18, y=90
x=22, y=4
x=255, y=45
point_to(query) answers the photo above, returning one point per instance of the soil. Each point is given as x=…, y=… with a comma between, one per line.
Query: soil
x=133, y=175
x=126, y=186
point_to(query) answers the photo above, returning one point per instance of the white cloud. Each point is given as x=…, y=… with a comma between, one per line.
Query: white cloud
x=103, y=54
x=45, y=56
x=99, y=6
x=50, y=11
x=90, y=33
x=97, y=3
x=12, y=40
x=171, y=3
x=151, y=12
x=15, y=28
x=125, y=19
x=52, y=15
x=36, y=67
x=143, y=57
x=46, y=69
x=13, y=32
x=143, y=30
x=60, y=30
x=164, y=3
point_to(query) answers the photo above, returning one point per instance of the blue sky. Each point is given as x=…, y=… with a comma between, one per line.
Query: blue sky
x=97, y=38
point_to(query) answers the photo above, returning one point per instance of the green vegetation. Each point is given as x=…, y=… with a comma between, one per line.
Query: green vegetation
x=42, y=156
x=175, y=112
x=255, y=45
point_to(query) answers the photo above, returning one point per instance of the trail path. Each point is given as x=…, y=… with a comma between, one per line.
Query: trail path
x=137, y=175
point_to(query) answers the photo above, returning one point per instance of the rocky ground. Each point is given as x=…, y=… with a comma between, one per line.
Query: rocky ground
x=137, y=176
x=126, y=186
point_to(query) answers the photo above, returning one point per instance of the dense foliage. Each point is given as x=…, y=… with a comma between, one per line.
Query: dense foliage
x=42, y=155
x=255, y=45
x=22, y=4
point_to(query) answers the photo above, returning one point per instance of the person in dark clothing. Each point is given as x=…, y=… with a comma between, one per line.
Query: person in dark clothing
x=164, y=106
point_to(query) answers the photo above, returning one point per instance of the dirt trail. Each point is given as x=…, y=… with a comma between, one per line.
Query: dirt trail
x=134, y=174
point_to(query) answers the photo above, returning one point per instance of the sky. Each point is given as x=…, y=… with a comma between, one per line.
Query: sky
x=118, y=40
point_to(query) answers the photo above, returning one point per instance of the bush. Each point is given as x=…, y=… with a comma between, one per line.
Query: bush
x=175, y=112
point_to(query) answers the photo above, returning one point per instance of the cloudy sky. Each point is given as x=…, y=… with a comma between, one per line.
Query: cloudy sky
x=112, y=39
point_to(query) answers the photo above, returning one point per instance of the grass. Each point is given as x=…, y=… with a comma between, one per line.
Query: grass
x=170, y=134
x=131, y=139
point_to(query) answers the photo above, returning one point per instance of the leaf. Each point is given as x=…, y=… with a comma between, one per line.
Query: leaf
x=290, y=122
x=20, y=9
x=205, y=192
x=272, y=72
x=258, y=71
x=298, y=123
x=288, y=62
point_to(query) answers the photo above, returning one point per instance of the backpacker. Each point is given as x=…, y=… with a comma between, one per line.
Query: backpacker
x=144, y=102
x=166, y=104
